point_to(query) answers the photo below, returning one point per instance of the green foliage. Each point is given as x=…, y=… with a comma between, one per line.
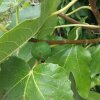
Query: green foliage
x=41, y=70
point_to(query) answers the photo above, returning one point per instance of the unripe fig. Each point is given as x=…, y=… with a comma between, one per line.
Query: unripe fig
x=41, y=50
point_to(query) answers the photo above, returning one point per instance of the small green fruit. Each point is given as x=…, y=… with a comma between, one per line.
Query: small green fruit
x=41, y=50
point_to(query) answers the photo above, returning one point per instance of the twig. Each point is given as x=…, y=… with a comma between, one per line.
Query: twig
x=65, y=8
x=78, y=25
x=72, y=21
x=76, y=10
x=61, y=42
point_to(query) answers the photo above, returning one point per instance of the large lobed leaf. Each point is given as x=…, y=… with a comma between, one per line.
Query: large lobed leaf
x=42, y=82
x=76, y=59
x=18, y=36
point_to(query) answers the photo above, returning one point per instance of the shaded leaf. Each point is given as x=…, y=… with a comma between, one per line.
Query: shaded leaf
x=11, y=71
x=74, y=33
x=48, y=28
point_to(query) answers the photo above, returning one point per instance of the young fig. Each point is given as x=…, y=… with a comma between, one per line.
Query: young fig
x=41, y=50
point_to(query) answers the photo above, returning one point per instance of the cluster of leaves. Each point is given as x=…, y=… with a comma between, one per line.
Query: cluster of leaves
x=39, y=71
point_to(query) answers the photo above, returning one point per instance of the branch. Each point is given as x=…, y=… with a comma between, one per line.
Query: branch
x=61, y=42
x=73, y=21
x=95, y=11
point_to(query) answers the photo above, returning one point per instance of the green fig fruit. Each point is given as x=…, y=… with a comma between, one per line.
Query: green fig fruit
x=41, y=50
